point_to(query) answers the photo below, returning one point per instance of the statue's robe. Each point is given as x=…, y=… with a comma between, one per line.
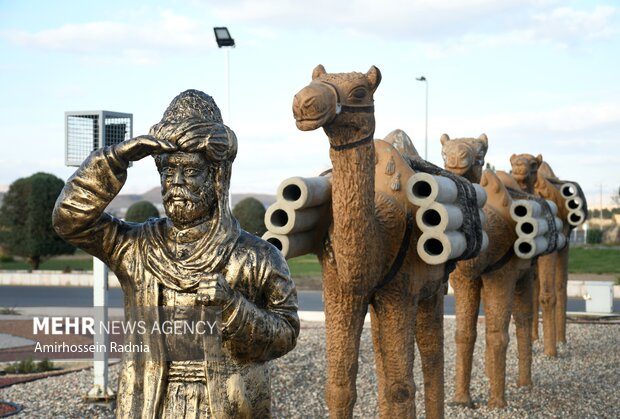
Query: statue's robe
x=262, y=323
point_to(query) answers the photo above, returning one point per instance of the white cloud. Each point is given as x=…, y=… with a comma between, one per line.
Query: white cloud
x=139, y=43
x=574, y=120
x=567, y=26
x=440, y=26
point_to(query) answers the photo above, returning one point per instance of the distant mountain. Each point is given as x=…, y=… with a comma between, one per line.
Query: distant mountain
x=265, y=199
x=119, y=205
x=121, y=202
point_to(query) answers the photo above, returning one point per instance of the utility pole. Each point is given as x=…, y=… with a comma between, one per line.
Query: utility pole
x=601, y=201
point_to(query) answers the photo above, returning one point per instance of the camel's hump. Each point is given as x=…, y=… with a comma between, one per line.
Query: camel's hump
x=391, y=171
x=401, y=142
x=498, y=196
x=545, y=170
x=507, y=180
x=550, y=190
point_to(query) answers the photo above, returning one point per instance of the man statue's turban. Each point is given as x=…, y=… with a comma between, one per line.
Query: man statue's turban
x=194, y=115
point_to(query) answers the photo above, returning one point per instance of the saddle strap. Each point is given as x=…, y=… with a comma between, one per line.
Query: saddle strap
x=400, y=256
x=501, y=262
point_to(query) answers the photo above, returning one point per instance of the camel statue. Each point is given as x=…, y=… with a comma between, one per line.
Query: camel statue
x=369, y=256
x=553, y=268
x=503, y=280
x=525, y=172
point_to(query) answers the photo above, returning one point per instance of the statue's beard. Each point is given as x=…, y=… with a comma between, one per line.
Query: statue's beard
x=186, y=208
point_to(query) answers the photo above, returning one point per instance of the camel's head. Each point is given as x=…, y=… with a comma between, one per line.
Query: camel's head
x=525, y=169
x=336, y=99
x=464, y=156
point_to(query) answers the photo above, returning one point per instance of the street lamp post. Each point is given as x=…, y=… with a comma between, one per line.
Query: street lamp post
x=223, y=39
x=422, y=78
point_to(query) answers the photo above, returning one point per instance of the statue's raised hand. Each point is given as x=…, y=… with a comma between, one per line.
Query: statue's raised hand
x=139, y=147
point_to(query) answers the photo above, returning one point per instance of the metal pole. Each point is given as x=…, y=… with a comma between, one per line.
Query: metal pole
x=422, y=78
x=227, y=52
x=601, y=199
x=101, y=389
x=426, y=125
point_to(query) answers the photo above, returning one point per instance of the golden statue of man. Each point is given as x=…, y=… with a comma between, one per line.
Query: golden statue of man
x=197, y=257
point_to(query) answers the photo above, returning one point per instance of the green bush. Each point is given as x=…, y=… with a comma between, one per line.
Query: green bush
x=594, y=236
x=9, y=311
x=27, y=366
x=141, y=211
x=251, y=215
x=26, y=219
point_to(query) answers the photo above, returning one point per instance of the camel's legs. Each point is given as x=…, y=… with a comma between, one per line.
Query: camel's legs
x=561, y=280
x=523, y=321
x=497, y=293
x=393, y=321
x=535, y=307
x=467, y=300
x=546, y=278
x=429, y=337
x=344, y=319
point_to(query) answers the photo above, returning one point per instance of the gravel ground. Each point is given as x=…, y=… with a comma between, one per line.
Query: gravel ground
x=582, y=382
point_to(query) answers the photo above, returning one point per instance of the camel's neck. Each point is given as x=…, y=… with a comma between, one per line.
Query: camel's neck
x=527, y=184
x=473, y=175
x=353, y=191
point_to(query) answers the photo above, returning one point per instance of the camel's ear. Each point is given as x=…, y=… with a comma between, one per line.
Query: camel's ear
x=539, y=159
x=318, y=71
x=513, y=158
x=374, y=78
x=444, y=139
x=484, y=145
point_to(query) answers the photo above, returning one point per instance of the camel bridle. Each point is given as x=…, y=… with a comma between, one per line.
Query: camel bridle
x=345, y=108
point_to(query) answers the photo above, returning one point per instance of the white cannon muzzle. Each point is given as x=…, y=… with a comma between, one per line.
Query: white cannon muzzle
x=532, y=227
x=522, y=208
x=527, y=248
x=423, y=188
x=573, y=204
x=440, y=217
x=568, y=190
x=576, y=218
x=300, y=192
x=435, y=248
x=292, y=245
x=280, y=218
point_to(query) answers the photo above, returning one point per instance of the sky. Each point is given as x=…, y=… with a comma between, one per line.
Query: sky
x=537, y=76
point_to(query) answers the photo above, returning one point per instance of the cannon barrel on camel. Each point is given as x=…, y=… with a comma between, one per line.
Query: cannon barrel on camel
x=537, y=234
x=574, y=203
x=440, y=217
x=298, y=217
